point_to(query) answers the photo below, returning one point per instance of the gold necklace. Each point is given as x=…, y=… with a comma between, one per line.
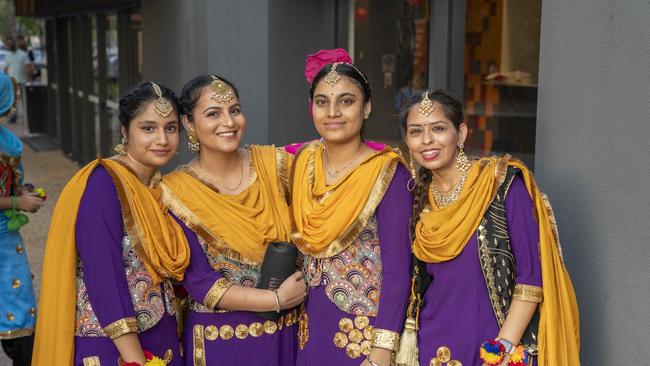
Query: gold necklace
x=444, y=199
x=336, y=173
x=221, y=185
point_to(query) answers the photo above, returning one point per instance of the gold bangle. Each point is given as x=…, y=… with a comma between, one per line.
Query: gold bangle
x=528, y=293
x=277, y=300
x=386, y=339
x=121, y=327
x=216, y=292
x=371, y=362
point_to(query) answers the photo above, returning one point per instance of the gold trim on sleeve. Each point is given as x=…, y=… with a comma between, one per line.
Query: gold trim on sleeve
x=386, y=339
x=528, y=293
x=16, y=333
x=121, y=327
x=216, y=292
x=92, y=361
x=199, y=346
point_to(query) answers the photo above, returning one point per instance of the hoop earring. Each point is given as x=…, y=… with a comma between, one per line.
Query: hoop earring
x=121, y=147
x=193, y=142
x=462, y=160
x=410, y=185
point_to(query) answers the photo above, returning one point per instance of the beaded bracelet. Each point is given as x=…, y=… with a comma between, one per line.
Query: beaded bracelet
x=492, y=352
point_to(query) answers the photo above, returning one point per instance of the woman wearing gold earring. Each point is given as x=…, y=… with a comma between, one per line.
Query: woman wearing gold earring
x=106, y=298
x=232, y=201
x=490, y=286
x=351, y=208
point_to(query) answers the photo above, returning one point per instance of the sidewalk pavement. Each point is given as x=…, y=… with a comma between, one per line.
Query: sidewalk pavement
x=50, y=170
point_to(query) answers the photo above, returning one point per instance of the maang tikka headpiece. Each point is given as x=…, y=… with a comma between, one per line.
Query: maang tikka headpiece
x=221, y=92
x=161, y=105
x=333, y=76
x=426, y=105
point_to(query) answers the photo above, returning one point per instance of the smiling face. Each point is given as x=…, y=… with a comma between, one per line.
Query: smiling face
x=339, y=110
x=219, y=127
x=152, y=139
x=433, y=140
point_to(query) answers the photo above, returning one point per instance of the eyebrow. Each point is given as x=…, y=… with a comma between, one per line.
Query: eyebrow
x=346, y=94
x=425, y=123
x=212, y=107
x=221, y=108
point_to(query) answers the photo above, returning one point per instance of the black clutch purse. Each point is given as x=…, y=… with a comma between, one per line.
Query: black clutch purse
x=279, y=263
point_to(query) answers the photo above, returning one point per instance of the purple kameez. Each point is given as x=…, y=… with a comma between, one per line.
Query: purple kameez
x=392, y=224
x=457, y=311
x=103, y=262
x=202, y=342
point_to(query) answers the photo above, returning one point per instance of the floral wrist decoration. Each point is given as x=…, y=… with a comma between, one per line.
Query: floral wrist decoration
x=519, y=357
x=492, y=352
x=151, y=361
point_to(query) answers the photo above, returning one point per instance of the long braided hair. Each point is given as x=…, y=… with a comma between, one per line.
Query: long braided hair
x=453, y=110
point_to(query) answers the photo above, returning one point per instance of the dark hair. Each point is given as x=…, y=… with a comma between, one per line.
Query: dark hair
x=348, y=70
x=134, y=100
x=192, y=92
x=453, y=110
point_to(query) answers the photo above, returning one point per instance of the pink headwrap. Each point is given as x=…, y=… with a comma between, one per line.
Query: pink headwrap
x=316, y=61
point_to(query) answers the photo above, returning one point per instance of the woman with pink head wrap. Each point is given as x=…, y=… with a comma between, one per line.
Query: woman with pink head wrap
x=351, y=207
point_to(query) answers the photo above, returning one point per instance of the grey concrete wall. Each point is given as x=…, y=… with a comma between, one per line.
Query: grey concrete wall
x=296, y=29
x=258, y=45
x=592, y=158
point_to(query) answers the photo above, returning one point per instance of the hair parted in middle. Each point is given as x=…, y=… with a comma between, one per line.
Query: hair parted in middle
x=453, y=110
x=192, y=92
x=133, y=101
x=344, y=69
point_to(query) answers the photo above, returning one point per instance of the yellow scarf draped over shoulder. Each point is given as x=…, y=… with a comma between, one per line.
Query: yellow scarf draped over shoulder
x=328, y=218
x=442, y=233
x=159, y=242
x=241, y=225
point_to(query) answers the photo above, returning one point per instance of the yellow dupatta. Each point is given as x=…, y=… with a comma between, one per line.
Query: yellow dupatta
x=159, y=242
x=329, y=218
x=442, y=233
x=241, y=225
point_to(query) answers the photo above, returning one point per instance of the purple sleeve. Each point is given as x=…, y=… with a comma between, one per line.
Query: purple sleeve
x=199, y=275
x=393, y=214
x=524, y=234
x=99, y=231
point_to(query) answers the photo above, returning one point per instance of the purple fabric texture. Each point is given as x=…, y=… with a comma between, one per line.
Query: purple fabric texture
x=277, y=349
x=99, y=232
x=457, y=312
x=392, y=216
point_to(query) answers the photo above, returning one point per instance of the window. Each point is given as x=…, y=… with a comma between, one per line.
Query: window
x=500, y=76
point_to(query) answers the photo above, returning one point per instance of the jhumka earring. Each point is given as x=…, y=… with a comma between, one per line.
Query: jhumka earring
x=462, y=160
x=426, y=105
x=193, y=142
x=121, y=147
x=333, y=76
x=161, y=105
x=410, y=185
x=221, y=92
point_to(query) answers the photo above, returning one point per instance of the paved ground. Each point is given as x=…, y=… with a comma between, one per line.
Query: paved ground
x=50, y=170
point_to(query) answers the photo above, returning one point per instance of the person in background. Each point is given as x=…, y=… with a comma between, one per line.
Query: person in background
x=17, y=301
x=17, y=66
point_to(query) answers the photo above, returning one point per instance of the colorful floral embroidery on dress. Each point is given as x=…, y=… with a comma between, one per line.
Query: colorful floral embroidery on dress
x=353, y=276
x=149, y=302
